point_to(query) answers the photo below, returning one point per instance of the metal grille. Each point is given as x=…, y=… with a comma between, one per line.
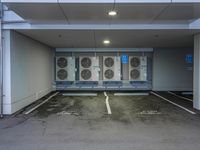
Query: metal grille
x=86, y=74
x=135, y=74
x=109, y=62
x=86, y=62
x=135, y=62
x=62, y=62
x=109, y=74
x=62, y=74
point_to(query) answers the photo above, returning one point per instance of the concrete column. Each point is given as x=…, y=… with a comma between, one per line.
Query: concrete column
x=196, y=80
x=1, y=64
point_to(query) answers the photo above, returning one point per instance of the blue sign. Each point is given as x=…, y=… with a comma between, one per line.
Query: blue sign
x=189, y=58
x=124, y=59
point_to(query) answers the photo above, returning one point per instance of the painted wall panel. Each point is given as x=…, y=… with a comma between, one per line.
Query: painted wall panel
x=31, y=71
x=196, y=75
x=6, y=73
x=171, y=71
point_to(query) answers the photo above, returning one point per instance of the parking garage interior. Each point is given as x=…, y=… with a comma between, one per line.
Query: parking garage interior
x=107, y=74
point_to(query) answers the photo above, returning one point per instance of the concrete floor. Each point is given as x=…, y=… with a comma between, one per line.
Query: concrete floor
x=82, y=123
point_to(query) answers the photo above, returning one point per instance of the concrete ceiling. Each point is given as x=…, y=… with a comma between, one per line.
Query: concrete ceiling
x=118, y=38
x=97, y=13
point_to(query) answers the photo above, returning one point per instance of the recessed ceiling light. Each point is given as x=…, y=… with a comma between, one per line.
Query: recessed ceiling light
x=106, y=42
x=112, y=13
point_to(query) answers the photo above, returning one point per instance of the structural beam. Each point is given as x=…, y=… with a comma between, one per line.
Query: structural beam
x=19, y=26
x=196, y=79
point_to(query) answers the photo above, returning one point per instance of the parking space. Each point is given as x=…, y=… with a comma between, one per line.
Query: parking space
x=82, y=122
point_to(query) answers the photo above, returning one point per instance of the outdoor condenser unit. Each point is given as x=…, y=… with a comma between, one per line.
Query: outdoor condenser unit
x=89, y=68
x=111, y=68
x=65, y=68
x=138, y=68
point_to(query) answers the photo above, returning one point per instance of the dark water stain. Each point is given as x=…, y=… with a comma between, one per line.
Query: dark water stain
x=118, y=114
x=60, y=104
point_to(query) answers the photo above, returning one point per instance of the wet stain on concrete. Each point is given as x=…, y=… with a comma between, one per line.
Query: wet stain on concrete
x=128, y=109
x=60, y=104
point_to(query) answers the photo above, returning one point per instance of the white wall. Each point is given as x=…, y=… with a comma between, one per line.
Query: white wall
x=31, y=71
x=6, y=73
x=170, y=70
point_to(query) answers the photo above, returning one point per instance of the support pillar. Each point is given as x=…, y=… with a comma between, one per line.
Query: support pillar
x=1, y=64
x=196, y=77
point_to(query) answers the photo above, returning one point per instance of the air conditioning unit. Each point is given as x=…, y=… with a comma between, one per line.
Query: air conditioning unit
x=89, y=68
x=65, y=68
x=138, y=68
x=111, y=68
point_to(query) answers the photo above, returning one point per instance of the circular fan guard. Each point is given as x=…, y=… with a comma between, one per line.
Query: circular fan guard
x=86, y=62
x=62, y=62
x=109, y=74
x=86, y=74
x=62, y=74
x=109, y=62
x=135, y=62
x=135, y=74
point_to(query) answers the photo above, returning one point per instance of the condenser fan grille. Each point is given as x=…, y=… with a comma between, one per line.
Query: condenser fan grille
x=135, y=74
x=109, y=74
x=86, y=74
x=62, y=74
x=135, y=62
x=86, y=62
x=62, y=62
x=109, y=62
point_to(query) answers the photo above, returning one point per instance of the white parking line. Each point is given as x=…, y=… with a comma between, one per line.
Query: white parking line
x=173, y=103
x=180, y=96
x=34, y=108
x=107, y=104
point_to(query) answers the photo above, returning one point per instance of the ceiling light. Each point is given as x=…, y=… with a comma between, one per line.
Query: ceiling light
x=112, y=13
x=106, y=42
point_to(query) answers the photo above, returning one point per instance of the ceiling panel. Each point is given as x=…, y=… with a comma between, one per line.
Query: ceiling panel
x=87, y=13
x=118, y=38
x=62, y=38
x=97, y=13
x=181, y=12
x=38, y=12
x=137, y=13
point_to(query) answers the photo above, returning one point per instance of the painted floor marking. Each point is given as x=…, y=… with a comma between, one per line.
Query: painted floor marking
x=180, y=96
x=107, y=104
x=173, y=103
x=34, y=108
